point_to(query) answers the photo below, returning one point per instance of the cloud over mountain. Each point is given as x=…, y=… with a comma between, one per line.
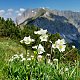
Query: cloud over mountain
x=2, y=12
x=11, y=13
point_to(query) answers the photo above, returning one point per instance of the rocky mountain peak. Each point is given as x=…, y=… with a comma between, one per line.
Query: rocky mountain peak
x=67, y=23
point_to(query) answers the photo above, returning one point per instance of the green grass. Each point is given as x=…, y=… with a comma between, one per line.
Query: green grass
x=8, y=48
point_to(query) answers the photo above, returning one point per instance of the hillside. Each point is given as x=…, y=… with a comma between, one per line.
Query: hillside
x=8, y=48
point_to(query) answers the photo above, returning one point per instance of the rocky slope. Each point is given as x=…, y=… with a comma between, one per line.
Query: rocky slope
x=67, y=23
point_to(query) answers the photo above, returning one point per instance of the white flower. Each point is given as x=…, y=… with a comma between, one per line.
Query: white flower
x=27, y=40
x=48, y=54
x=62, y=41
x=34, y=47
x=73, y=47
x=23, y=59
x=27, y=55
x=44, y=37
x=36, y=32
x=50, y=41
x=54, y=46
x=40, y=49
x=15, y=56
x=61, y=48
x=21, y=41
x=29, y=59
x=21, y=55
x=32, y=56
x=39, y=57
x=40, y=32
x=11, y=59
x=60, y=45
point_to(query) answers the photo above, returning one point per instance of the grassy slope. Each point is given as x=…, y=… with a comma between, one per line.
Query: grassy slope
x=8, y=48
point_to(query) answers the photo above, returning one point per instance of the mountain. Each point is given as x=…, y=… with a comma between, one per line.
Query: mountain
x=67, y=23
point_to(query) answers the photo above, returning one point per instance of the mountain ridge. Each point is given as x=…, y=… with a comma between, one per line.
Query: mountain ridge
x=67, y=23
x=73, y=17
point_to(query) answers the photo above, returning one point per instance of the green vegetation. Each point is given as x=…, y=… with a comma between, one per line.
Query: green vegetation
x=30, y=53
x=8, y=48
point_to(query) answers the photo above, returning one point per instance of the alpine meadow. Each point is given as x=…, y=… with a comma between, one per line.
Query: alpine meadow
x=39, y=43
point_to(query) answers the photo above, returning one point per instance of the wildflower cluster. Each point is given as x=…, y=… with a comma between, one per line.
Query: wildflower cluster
x=27, y=40
x=60, y=44
x=43, y=35
x=17, y=57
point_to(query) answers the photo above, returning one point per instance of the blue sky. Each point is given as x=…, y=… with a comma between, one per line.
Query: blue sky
x=8, y=7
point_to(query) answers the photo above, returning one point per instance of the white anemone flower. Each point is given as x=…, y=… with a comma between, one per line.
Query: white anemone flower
x=50, y=41
x=40, y=32
x=61, y=48
x=53, y=46
x=60, y=45
x=48, y=54
x=21, y=41
x=29, y=59
x=36, y=32
x=62, y=41
x=34, y=47
x=73, y=47
x=32, y=56
x=10, y=60
x=21, y=55
x=40, y=49
x=27, y=40
x=23, y=59
x=39, y=57
x=44, y=37
x=15, y=56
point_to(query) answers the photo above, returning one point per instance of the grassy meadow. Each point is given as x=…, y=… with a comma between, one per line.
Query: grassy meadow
x=8, y=48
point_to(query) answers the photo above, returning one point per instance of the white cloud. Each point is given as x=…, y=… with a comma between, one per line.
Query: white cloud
x=11, y=13
x=17, y=11
x=10, y=10
x=22, y=9
x=2, y=12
